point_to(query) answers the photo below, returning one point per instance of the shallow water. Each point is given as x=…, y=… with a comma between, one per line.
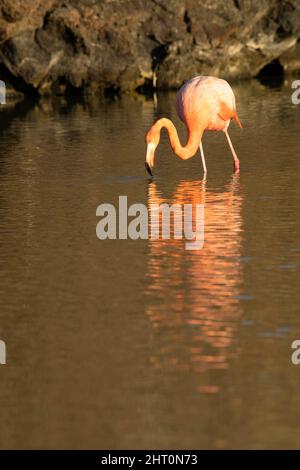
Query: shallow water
x=143, y=344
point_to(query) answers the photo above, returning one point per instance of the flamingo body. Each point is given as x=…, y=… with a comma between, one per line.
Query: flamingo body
x=204, y=99
x=202, y=103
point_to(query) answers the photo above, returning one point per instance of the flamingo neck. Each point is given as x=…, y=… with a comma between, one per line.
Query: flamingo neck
x=184, y=152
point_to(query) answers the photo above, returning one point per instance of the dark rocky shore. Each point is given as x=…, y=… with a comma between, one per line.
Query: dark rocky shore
x=54, y=46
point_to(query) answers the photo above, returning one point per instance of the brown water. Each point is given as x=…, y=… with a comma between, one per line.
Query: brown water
x=143, y=344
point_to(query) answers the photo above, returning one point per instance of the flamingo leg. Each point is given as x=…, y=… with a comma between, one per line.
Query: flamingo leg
x=235, y=158
x=203, y=158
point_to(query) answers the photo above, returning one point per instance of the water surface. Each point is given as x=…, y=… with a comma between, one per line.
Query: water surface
x=143, y=344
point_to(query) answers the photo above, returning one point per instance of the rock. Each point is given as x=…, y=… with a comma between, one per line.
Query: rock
x=55, y=46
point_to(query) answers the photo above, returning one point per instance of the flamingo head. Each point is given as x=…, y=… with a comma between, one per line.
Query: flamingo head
x=149, y=163
x=152, y=140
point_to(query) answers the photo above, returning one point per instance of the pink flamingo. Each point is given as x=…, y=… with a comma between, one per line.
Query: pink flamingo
x=202, y=103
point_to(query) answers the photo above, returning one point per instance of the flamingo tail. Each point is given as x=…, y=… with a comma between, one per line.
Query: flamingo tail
x=236, y=118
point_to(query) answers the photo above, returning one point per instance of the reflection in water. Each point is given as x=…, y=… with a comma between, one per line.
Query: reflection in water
x=196, y=291
x=86, y=368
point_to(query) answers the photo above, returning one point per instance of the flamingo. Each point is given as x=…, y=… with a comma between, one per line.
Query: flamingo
x=202, y=103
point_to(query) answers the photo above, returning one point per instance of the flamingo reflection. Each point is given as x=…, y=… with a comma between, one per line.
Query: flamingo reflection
x=193, y=295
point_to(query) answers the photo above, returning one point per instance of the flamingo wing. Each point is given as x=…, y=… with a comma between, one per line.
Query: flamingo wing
x=226, y=113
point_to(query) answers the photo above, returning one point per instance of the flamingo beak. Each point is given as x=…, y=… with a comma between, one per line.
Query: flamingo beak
x=149, y=163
